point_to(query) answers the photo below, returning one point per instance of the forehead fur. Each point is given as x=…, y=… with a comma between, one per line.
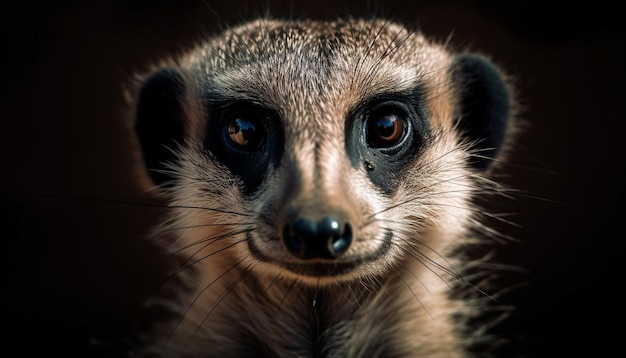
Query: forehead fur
x=310, y=70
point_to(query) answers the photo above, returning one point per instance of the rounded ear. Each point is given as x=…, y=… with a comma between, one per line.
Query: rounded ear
x=483, y=107
x=159, y=120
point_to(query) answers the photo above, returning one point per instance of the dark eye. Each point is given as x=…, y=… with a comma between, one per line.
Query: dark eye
x=385, y=129
x=245, y=131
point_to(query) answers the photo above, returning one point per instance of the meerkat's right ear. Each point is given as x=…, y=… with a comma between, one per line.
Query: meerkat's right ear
x=159, y=120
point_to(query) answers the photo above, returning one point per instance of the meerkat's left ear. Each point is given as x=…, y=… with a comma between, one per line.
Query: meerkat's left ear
x=483, y=107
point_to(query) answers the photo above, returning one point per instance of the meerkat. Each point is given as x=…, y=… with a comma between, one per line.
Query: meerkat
x=321, y=179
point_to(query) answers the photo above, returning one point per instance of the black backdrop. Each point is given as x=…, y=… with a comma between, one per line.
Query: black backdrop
x=62, y=136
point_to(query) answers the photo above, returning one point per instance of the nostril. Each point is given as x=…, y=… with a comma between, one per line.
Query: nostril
x=294, y=245
x=337, y=236
x=295, y=236
x=327, y=238
x=340, y=243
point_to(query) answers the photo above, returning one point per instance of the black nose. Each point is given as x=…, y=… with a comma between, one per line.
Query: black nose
x=327, y=238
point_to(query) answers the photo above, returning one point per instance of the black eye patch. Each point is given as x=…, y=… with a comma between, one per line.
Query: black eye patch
x=384, y=135
x=245, y=137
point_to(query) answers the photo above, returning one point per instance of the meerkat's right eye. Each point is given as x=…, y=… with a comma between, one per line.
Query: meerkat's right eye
x=245, y=131
x=247, y=138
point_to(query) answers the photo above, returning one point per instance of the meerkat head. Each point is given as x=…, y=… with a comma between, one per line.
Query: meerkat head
x=320, y=151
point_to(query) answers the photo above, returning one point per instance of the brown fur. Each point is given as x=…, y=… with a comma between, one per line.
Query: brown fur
x=315, y=75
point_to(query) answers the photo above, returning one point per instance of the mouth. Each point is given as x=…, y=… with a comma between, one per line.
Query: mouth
x=323, y=267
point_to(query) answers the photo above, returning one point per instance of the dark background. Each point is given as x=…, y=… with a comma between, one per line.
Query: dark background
x=72, y=267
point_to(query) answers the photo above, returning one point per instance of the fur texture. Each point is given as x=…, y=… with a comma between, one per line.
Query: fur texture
x=375, y=137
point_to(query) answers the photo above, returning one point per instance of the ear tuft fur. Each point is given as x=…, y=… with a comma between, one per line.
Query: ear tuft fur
x=483, y=107
x=159, y=120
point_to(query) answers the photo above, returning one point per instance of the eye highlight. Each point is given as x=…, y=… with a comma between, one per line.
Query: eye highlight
x=385, y=129
x=245, y=131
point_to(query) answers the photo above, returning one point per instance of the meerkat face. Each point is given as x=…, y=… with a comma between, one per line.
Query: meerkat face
x=320, y=151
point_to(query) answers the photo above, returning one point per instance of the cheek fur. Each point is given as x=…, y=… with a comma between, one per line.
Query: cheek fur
x=321, y=241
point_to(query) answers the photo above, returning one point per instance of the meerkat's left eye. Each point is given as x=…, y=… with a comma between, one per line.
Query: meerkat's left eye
x=245, y=131
x=385, y=128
